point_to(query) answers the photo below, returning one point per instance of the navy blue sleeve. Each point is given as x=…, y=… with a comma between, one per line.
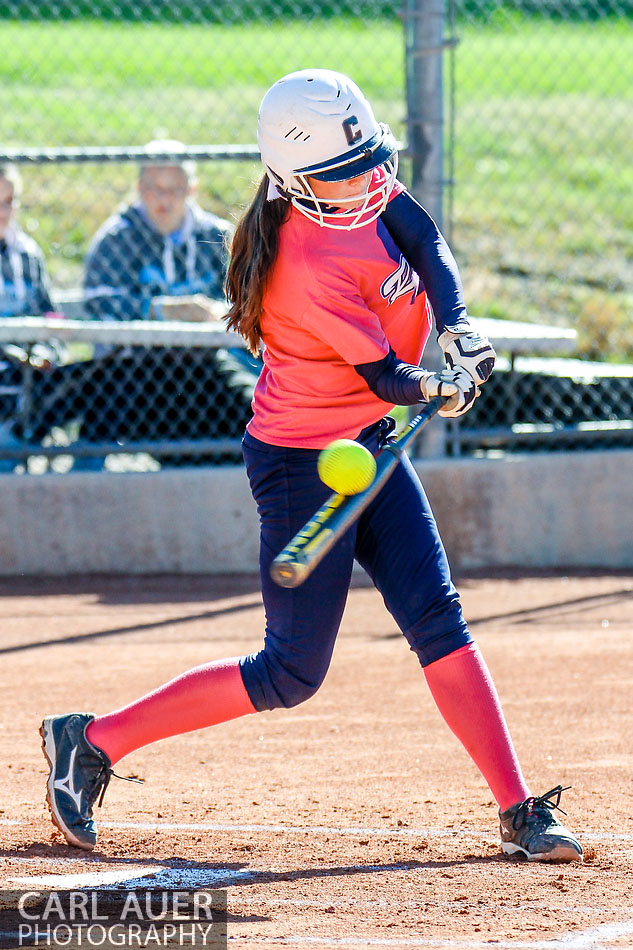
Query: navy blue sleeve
x=418, y=237
x=393, y=380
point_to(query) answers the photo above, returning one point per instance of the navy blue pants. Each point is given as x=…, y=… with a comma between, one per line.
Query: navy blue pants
x=397, y=542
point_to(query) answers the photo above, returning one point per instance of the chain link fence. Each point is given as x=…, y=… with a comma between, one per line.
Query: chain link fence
x=541, y=209
x=537, y=196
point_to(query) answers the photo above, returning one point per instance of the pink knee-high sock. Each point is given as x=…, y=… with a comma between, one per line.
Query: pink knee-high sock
x=201, y=697
x=465, y=694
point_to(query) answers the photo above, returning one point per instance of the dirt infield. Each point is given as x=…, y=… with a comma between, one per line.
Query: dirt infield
x=356, y=819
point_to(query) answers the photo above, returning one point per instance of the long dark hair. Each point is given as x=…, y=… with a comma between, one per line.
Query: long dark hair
x=253, y=253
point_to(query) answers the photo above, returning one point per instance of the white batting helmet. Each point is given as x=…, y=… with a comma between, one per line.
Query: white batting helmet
x=318, y=123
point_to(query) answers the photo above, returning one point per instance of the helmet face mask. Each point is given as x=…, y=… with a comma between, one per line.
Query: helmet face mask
x=352, y=211
x=316, y=124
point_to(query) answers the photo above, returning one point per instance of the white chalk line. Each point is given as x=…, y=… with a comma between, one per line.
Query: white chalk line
x=594, y=937
x=349, y=831
x=583, y=940
x=345, y=831
x=288, y=829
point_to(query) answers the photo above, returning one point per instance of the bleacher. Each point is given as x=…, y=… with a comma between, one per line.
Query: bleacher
x=539, y=398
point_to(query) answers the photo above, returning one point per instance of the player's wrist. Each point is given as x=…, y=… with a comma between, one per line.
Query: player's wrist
x=427, y=379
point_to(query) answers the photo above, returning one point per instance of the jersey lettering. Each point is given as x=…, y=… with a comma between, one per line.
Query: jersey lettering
x=402, y=281
x=352, y=130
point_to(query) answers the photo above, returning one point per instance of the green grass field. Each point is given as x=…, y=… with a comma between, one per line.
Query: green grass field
x=116, y=82
x=544, y=185
x=542, y=209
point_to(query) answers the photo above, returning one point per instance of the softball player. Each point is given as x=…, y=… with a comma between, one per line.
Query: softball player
x=318, y=279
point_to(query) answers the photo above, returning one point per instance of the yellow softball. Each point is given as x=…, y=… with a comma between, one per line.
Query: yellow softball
x=346, y=467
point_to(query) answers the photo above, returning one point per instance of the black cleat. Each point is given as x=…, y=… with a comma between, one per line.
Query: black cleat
x=78, y=773
x=531, y=828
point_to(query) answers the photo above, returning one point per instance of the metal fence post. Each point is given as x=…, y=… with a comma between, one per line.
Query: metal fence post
x=425, y=43
x=424, y=48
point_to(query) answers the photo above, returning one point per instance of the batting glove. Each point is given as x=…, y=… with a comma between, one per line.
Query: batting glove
x=458, y=384
x=470, y=350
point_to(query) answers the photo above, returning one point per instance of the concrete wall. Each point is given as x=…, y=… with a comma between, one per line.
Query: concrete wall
x=555, y=510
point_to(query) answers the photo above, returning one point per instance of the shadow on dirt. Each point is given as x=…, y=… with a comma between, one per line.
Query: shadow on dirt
x=527, y=615
x=135, y=589
x=254, y=604
x=237, y=873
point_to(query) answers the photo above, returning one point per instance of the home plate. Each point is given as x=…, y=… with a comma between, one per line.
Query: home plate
x=92, y=879
x=156, y=875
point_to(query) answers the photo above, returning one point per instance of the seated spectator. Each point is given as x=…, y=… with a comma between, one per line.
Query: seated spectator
x=24, y=291
x=162, y=247
x=161, y=258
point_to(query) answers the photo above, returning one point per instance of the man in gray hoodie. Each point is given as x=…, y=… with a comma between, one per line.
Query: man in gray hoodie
x=160, y=248
x=161, y=258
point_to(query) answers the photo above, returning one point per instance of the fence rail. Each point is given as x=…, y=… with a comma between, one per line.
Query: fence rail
x=181, y=392
x=129, y=153
x=118, y=333
x=174, y=391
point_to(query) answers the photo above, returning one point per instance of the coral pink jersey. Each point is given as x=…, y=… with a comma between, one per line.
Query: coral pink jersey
x=334, y=299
